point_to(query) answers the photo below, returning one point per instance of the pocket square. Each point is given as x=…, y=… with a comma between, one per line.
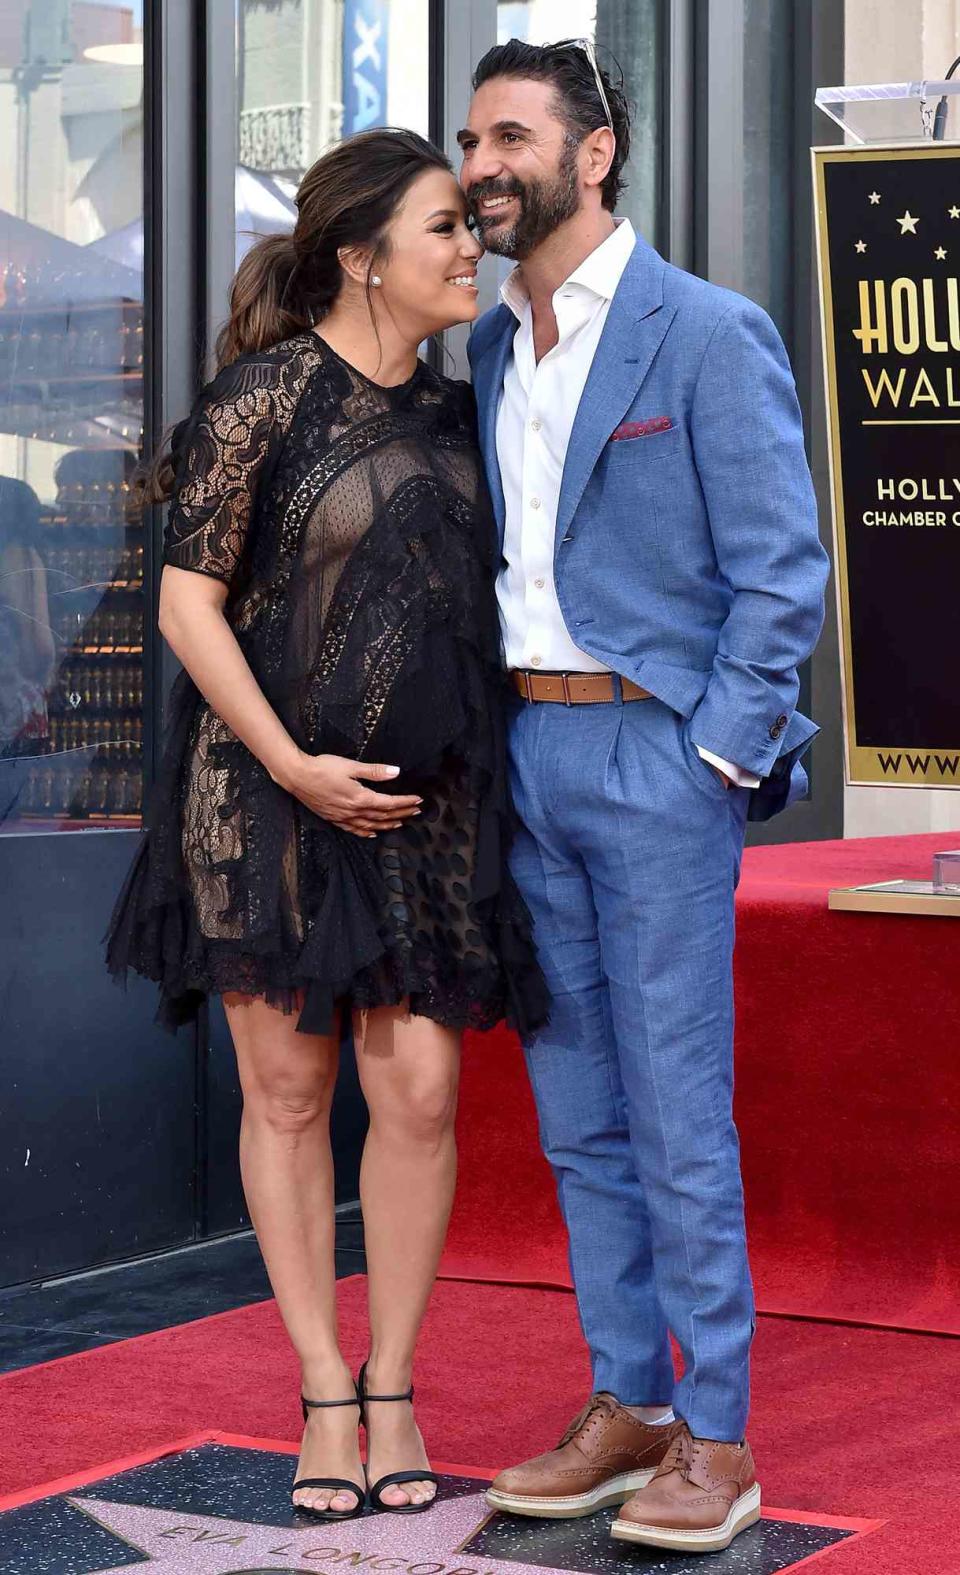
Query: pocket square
x=635, y=429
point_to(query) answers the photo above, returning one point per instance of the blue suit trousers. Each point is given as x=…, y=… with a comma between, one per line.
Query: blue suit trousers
x=628, y=855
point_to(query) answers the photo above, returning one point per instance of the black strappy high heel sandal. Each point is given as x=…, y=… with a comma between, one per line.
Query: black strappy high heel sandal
x=342, y=1484
x=393, y=1478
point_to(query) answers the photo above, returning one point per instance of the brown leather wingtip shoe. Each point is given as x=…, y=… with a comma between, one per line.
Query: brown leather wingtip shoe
x=605, y=1455
x=703, y=1495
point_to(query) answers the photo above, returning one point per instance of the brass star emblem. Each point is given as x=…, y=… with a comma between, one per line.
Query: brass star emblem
x=908, y=223
x=940, y=253
x=874, y=197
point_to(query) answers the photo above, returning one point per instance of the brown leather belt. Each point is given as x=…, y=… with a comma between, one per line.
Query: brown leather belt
x=574, y=688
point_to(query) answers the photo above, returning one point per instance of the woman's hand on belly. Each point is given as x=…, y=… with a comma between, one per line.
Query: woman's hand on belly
x=332, y=788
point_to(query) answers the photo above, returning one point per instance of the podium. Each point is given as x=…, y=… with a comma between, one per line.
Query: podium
x=891, y=112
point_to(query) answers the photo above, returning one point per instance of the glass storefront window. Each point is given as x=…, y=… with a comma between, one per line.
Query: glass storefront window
x=310, y=72
x=628, y=38
x=71, y=413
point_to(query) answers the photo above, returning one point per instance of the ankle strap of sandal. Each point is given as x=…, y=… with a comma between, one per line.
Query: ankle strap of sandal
x=316, y=1405
x=362, y=1392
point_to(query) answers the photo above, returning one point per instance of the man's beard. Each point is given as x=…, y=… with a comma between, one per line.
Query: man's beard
x=544, y=206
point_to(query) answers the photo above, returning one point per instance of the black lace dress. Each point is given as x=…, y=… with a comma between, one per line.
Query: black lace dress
x=352, y=526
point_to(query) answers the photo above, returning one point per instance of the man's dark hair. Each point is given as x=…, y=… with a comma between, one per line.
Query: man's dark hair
x=579, y=104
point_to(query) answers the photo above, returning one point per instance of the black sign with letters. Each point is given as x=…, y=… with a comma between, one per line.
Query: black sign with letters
x=888, y=224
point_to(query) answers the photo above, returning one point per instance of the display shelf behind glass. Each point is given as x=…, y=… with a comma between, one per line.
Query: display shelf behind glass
x=72, y=575
x=71, y=632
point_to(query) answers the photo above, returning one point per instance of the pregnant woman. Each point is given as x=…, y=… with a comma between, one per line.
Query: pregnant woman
x=329, y=831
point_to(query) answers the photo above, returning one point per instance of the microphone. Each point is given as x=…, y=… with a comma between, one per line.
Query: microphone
x=940, y=114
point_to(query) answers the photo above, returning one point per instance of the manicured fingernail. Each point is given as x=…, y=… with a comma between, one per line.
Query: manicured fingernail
x=393, y=771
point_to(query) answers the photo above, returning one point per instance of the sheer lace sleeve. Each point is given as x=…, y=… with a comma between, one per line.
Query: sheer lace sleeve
x=231, y=436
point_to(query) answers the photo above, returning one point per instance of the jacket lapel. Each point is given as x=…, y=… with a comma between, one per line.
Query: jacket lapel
x=488, y=374
x=632, y=334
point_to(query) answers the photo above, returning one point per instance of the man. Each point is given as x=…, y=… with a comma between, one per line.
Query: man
x=662, y=579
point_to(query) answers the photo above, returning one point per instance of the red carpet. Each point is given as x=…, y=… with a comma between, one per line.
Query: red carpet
x=857, y=1423
x=848, y=1087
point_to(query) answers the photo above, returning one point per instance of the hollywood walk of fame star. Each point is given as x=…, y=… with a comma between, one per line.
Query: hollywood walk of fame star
x=940, y=253
x=954, y=212
x=908, y=222
x=861, y=246
x=184, y=1544
x=874, y=197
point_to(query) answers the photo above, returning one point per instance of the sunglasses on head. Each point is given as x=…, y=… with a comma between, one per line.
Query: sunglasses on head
x=586, y=44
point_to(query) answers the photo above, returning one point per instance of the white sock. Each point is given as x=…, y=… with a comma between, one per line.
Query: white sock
x=662, y=1421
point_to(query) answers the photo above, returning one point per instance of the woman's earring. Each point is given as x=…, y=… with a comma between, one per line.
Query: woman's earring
x=376, y=281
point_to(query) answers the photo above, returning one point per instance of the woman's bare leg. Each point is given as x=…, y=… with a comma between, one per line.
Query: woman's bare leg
x=409, y=1068
x=286, y=1163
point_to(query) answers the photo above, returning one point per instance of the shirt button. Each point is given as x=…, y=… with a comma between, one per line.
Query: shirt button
x=539, y=584
x=536, y=660
x=535, y=426
x=534, y=503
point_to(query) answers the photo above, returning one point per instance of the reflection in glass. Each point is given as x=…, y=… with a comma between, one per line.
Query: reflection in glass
x=28, y=659
x=309, y=74
x=71, y=404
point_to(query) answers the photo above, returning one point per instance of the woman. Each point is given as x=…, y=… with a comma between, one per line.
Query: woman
x=328, y=587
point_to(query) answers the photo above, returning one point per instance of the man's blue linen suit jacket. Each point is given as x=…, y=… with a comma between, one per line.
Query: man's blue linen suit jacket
x=687, y=557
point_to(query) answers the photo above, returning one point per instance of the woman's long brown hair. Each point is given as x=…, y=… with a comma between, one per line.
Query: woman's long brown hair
x=288, y=283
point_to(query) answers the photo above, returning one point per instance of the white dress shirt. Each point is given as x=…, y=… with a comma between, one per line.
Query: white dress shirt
x=535, y=418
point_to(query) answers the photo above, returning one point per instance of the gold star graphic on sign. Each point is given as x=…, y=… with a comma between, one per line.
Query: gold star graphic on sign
x=907, y=222
x=940, y=254
x=861, y=246
x=954, y=212
x=874, y=197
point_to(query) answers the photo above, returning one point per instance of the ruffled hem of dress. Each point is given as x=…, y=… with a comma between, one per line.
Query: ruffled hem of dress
x=341, y=966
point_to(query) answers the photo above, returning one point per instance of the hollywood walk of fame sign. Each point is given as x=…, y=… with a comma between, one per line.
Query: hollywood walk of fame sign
x=888, y=229
x=219, y=1505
